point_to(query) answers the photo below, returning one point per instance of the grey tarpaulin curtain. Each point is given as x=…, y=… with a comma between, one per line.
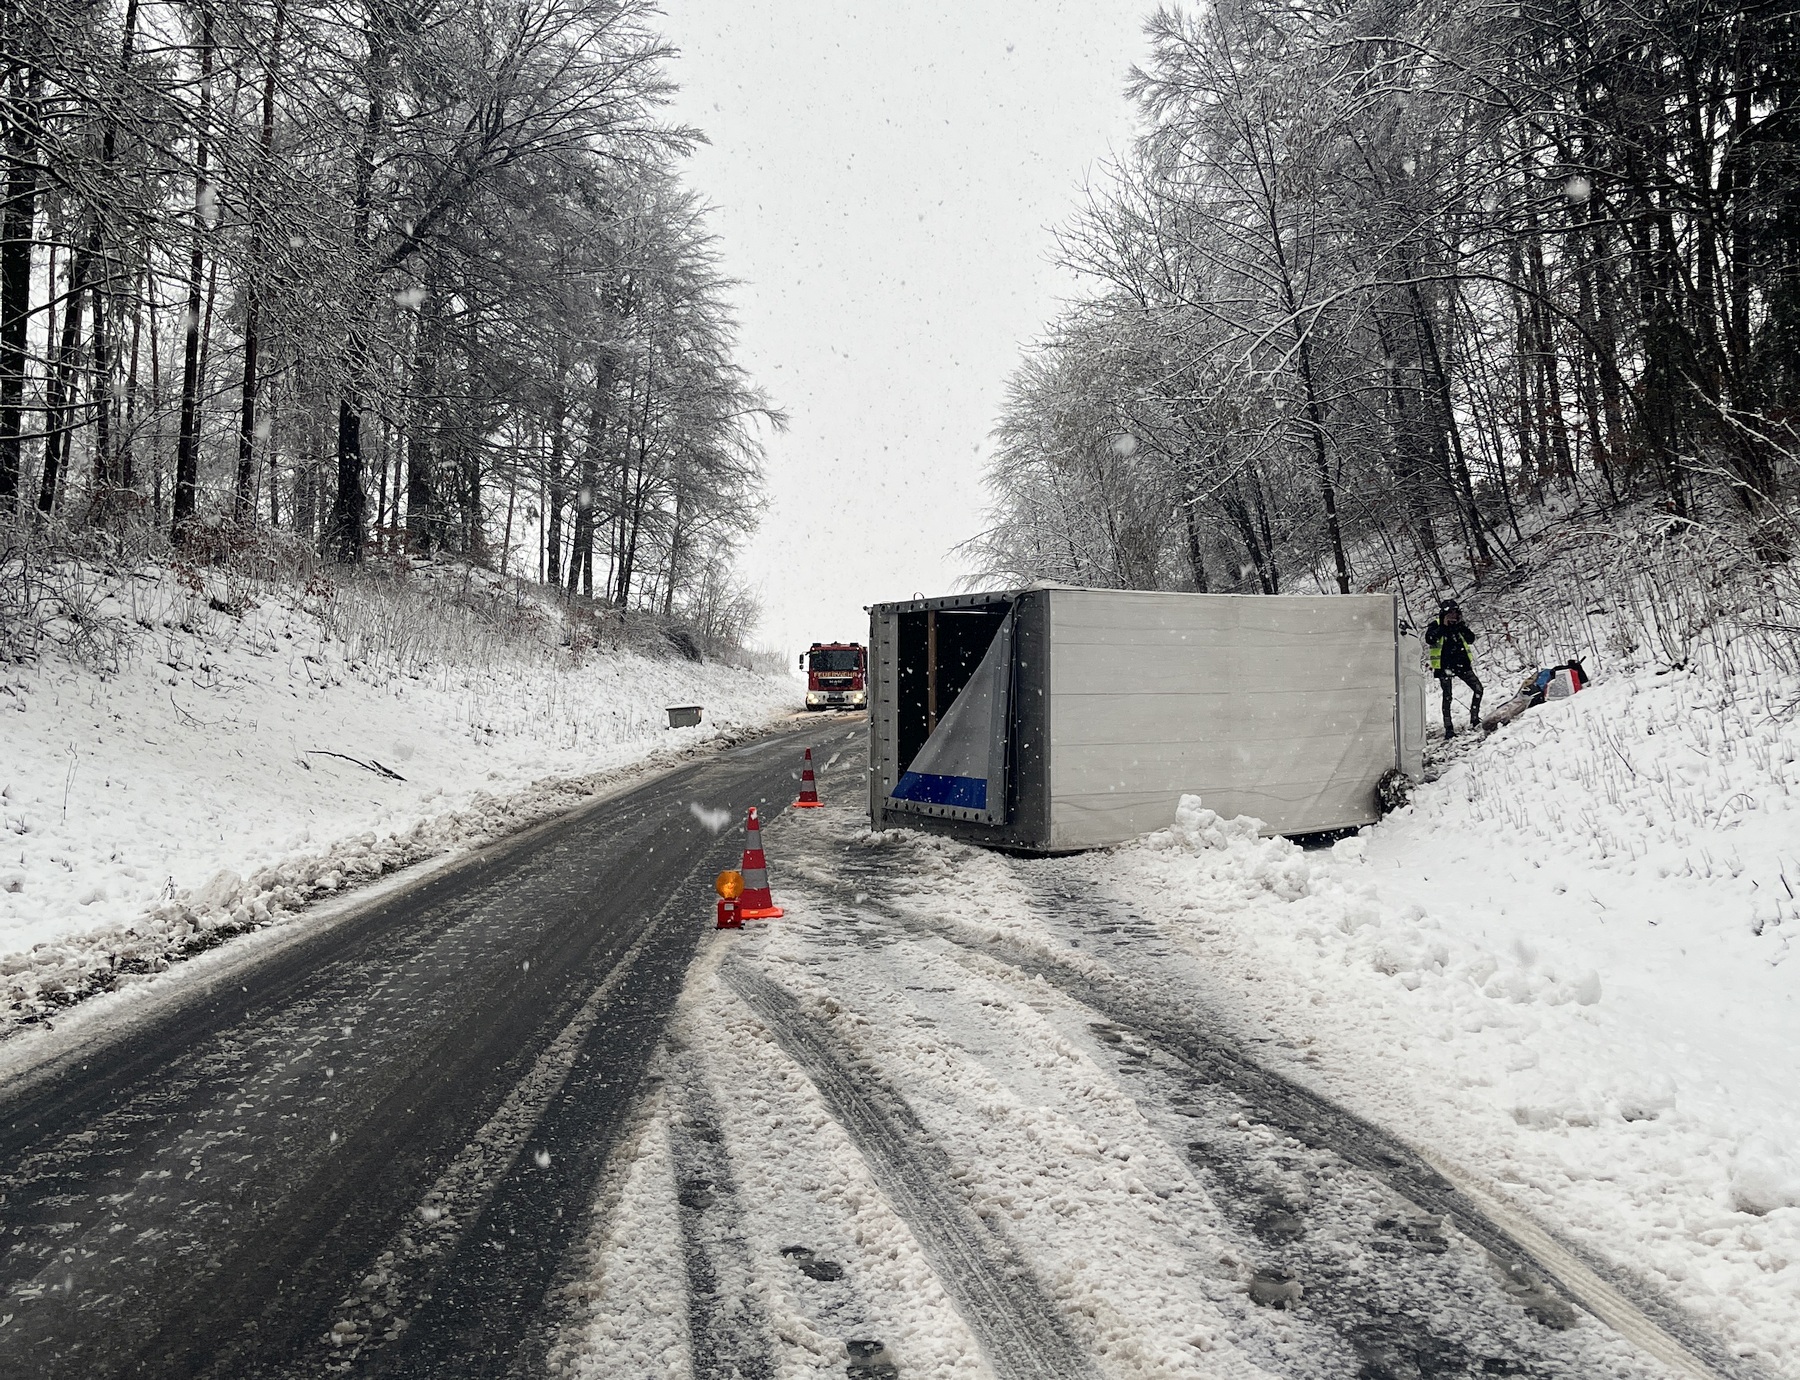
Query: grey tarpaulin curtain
x=961, y=770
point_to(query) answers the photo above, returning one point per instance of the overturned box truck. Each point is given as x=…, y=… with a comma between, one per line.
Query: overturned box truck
x=1056, y=718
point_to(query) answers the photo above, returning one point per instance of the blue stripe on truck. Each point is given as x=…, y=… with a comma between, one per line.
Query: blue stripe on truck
x=964, y=792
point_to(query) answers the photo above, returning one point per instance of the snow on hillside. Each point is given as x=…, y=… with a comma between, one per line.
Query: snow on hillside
x=203, y=753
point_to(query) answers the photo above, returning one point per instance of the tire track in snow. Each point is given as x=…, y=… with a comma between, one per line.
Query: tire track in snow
x=1020, y=1331
x=1401, y=1302
x=728, y=1334
x=1522, y=1249
x=399, y=1280
x=1653, y=1325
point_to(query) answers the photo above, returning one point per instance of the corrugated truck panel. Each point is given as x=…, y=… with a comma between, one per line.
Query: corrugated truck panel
x=1279, y=708
x=884, y=747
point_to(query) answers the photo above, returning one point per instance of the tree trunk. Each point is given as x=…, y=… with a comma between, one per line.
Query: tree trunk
x=349, y=508
x=104, y=477
x=590, y=466
x=156, y=397
x=1403, y=444
x=558, y=495
x=59, y=400
x=512, y=497
x=553, y=538
x=1315, y=414
x=128, y=432
x=1190, y=502
x=187, y=442
x=1465, y=486
x=635, y=502
x=102, y=392
x=244, y=507
x=18, y=227
x=274, y=453
x=421, y=439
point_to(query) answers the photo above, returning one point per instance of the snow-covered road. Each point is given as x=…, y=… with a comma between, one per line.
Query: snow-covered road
x=962, y=1114
x=1208, y=1104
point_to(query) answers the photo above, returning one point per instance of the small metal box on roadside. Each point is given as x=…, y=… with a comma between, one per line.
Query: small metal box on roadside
x=684, y=715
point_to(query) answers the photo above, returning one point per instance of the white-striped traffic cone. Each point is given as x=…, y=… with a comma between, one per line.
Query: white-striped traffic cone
x=756, y=903
x=809, y=787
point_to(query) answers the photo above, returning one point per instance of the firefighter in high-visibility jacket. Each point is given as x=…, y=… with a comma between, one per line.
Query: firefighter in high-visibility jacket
x=1447, y=639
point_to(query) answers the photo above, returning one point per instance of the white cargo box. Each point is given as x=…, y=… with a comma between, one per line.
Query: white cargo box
x=1055, y=718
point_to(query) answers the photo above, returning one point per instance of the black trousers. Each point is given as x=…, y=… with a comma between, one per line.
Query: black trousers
x=1466, y=674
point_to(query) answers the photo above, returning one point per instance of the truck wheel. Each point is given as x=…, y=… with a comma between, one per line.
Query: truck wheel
x=1394, y=790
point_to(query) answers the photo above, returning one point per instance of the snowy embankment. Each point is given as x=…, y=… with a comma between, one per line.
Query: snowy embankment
x=1576, y=991
x=1564, y=971
x=222, y=754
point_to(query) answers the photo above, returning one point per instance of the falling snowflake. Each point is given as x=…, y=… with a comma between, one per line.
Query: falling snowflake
x=714, y=821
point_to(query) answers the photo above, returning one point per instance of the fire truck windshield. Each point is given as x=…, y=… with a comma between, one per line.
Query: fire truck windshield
x=834, y=659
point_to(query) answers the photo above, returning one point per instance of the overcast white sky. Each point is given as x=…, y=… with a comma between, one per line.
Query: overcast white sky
x=885, y=178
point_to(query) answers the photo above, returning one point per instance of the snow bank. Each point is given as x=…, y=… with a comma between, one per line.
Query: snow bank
x=1564, y=966
x=238, y=753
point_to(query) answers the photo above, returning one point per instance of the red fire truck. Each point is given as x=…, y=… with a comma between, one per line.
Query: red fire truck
x=837, y=675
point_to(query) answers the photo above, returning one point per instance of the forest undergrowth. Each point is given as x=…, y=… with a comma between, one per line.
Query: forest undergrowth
x=1698, y=640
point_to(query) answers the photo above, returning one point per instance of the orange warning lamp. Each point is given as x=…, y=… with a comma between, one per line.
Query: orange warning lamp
x=730, y=886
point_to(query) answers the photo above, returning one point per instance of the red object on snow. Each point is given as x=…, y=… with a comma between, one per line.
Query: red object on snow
x=729, y=919
x=809, y=787
x=1567, y=681
x=756, y=903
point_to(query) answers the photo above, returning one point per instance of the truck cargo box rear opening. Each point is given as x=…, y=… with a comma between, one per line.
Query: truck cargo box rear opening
x=939, y=651
x=947, y=721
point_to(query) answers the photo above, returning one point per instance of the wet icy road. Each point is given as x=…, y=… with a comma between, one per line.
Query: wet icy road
x=369, y=1147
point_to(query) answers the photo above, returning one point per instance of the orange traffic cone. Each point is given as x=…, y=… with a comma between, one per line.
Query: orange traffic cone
x=756, y=903
x=809, y=787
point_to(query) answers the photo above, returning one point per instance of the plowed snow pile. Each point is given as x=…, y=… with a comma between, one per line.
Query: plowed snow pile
x=218, y=759
x=1566, y=967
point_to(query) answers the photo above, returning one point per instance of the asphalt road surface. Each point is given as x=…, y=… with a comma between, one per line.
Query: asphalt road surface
x=369, y=1149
